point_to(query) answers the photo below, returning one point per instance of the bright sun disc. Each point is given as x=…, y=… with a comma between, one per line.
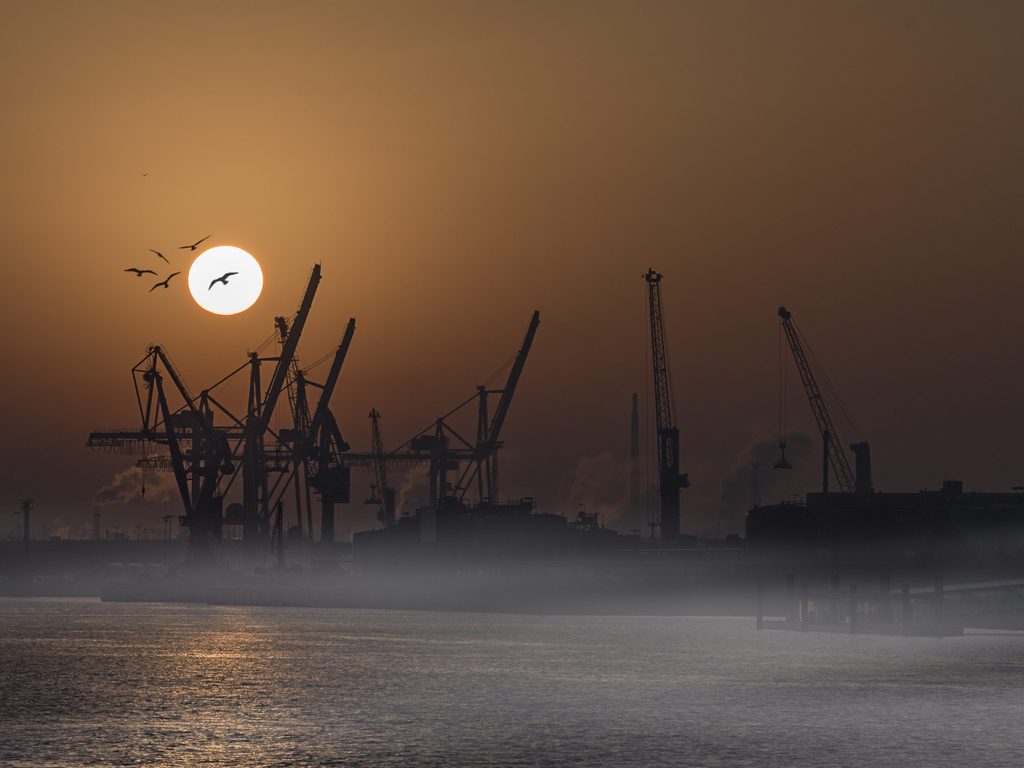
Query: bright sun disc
x=232, y=294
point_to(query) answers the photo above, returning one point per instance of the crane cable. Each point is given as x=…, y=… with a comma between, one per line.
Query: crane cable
x=783, y=389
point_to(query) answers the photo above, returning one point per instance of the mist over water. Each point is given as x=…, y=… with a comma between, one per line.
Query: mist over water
x=88, y=683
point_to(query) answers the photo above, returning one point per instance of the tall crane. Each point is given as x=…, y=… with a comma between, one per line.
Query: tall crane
x=489, y=434
x=383, y=493
x=833, y=455
x=670, y=480
x=256, y=504
x=324, y=443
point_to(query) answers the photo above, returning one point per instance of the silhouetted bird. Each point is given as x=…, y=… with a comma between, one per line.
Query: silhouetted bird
x=159, y=254
x=222, y=279
x=164, y=283
x=193, y=246
x=140, y=272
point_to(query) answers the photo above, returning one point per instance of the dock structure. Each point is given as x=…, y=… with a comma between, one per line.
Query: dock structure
x=936, y=611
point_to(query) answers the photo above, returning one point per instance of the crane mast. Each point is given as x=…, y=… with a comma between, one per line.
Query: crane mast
x=833, y=454
x=383, y=492
x=670, y=480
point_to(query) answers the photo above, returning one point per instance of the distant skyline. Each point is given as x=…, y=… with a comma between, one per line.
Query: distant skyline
x=454, y=166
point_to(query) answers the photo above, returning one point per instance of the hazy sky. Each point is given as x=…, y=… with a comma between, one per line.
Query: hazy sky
x=454, y=166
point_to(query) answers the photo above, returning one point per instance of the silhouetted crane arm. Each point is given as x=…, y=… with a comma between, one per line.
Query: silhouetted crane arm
x=836, y=454
x=501, y=412
x=662, y=386
x=177, y=459
x=329, y=384
x=288, y=352
x=175, y=378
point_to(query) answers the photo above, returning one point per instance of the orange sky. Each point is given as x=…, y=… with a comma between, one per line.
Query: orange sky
x=454, y=166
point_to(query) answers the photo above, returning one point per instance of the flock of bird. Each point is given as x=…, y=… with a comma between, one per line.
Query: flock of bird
x=166, y=283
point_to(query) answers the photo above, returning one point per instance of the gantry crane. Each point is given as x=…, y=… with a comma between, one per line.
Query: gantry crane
x=203, y=456
x=199, y=453
x=316, y=442
x=670, y=480
x=485, y=467
x=447, y=451
x=833, y=437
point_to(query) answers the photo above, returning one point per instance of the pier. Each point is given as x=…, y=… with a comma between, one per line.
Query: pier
x=936, y=611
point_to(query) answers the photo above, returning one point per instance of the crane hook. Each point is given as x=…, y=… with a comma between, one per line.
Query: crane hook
x=782, y=463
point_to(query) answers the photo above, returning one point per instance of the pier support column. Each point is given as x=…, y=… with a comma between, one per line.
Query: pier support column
x=853, y=609
x=885, y=606
x=905, y=610
x=804, y=618
x=792, y=612
x=835, y=604
x=760, y=604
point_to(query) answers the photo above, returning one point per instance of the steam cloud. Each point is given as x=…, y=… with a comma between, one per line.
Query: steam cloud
x=413, y=492
x=737, y=486
x=601, y=485
x=127, y=486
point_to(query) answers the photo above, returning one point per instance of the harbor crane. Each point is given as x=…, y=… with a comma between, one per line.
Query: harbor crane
x=670, y=480
x=448, y=452
x=204, y=457
x=382, y=493
x=834, y=432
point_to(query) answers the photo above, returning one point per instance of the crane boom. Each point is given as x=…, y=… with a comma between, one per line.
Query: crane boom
x=834, y=455
x=670, y=480
x=494, y=432
x=288, y=352
x=332, y=379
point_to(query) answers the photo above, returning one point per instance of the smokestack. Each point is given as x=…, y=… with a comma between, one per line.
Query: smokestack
x=862, y=457
x=26, y=515
x=755, y=490
x=634, y=459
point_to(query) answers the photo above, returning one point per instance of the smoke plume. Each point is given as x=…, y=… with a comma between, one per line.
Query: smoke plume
x=413, y=493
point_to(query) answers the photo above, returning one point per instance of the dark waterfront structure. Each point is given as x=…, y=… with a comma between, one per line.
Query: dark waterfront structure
x=489, y=533
x=947, y=526
x=217, y=453
x=464, y=547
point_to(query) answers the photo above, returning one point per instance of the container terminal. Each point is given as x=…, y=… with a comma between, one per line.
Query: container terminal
x=470, y=548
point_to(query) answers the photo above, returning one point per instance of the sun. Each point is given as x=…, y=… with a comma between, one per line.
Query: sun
x=225, y=280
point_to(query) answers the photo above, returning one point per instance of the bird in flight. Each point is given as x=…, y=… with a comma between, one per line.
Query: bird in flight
x=140, y=272
x=194, y=245
x=159, y=254
x=222, y=279
x=164, y=283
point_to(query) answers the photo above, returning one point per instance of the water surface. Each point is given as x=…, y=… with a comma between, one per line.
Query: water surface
x=90, y=683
